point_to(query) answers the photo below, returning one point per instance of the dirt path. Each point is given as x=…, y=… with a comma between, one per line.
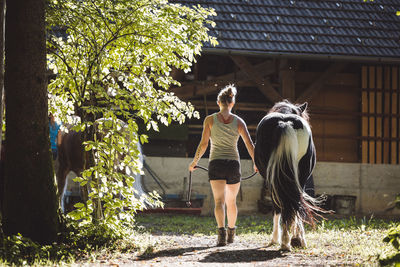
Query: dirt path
x=183, y=250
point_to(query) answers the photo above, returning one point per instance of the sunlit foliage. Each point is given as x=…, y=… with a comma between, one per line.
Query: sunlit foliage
x=113, y=60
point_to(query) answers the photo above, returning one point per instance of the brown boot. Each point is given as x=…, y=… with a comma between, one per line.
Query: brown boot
x=221, y=237
x=231, y=234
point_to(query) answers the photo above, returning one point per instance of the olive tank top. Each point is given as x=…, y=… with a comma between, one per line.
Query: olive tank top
x=224, y=138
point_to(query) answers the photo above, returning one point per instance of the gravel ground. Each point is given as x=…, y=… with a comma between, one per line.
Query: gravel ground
x=170, y=240
x=184, y=250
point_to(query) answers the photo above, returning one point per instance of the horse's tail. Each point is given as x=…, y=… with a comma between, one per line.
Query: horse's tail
x=283, y=176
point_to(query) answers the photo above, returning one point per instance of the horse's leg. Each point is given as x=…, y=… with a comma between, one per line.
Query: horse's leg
x=276, y=232
x=61, y=178
x=62, y=169
x=285, y=245
x=298, y=238
x=61, y=184
x=302, y=234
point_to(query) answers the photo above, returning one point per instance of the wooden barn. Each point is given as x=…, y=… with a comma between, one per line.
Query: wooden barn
x=342, y=57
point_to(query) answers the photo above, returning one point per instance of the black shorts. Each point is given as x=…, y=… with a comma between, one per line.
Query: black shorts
x=224, y=169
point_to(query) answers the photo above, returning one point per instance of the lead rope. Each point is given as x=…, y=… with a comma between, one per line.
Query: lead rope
x=188, y=203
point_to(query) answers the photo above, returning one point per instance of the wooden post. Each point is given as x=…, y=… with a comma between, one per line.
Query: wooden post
x=386, y=118
x=205, y=104
x=379, y=87
x=394, y=135
x=287, y=79
x=364, y=118
x=371, y=111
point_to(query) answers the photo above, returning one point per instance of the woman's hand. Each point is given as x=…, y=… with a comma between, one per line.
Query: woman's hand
x=192, y=166
x=255, y=168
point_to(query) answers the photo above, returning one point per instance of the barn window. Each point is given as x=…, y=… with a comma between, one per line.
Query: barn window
x=380, y=125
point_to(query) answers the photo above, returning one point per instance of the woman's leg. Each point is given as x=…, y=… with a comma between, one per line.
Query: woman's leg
x=231, y=192
x=218, y=189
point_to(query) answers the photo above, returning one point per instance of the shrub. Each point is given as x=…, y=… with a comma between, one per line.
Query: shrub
x=392, y=237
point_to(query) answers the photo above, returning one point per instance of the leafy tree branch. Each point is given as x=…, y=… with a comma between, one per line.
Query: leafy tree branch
x=113, y=65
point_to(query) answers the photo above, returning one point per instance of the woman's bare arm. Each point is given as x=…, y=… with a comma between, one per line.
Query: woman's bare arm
x=244, y=133
x=202, y=147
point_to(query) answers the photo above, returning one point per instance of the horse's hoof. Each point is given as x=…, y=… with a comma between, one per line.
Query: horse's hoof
x=285, y=248
x=296, y=242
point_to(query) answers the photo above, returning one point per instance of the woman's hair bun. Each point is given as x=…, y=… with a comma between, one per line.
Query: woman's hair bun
x=227, y=94
x=231, y=90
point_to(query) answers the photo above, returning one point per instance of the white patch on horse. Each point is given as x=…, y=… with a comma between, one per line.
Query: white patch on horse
x=303, y=139
x=289, y=144
x=277, y=231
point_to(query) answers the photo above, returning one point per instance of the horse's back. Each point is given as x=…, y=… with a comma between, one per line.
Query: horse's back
x=269, y=134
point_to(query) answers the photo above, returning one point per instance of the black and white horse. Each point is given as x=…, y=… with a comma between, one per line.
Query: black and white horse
x=285, y=156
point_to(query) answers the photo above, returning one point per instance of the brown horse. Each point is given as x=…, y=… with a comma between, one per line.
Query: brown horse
x=70, y=158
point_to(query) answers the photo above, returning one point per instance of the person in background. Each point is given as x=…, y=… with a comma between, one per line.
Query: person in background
x=55, y=135
x=224, y=129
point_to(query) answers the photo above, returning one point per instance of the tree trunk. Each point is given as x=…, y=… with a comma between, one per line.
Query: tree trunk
x=30, y=202
x=2, y=20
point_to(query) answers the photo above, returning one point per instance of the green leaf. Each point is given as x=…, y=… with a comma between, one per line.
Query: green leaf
x=143, y=138
x=79, y=205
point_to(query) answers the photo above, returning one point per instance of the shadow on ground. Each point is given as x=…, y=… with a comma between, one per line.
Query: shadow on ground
x=170, y=253
x=244, y=255
x=225, y=256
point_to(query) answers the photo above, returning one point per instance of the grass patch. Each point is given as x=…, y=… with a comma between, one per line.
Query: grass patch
x=260, y=223
x=205, y=225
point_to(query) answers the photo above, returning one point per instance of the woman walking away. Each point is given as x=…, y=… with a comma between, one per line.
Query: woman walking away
x=224, y=129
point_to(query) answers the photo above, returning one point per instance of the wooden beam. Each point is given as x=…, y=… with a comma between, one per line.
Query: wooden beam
x=317, y=85
x=196, y=88
x=317, y=111
x=263, y=84
x=287, y=79
x=201, y=88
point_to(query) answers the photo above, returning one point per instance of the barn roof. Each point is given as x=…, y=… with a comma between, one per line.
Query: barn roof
x=324, y=28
